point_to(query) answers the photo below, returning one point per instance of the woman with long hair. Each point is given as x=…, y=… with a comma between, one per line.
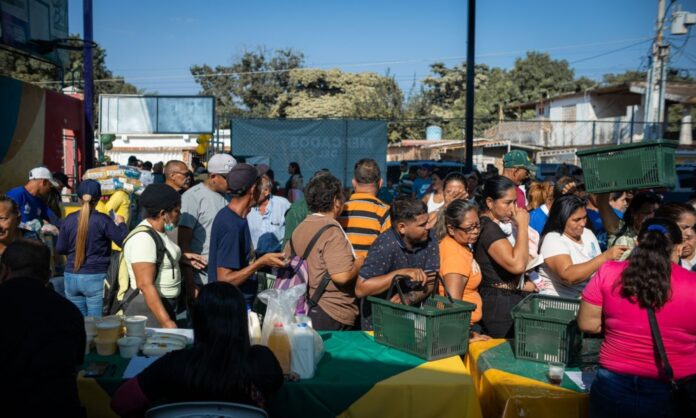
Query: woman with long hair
x=435, y=198
x=294, y=185
x=85, y=237
x=684, y=216
x=502, y=252
x=539, y=193
x=631, y=381
x=571, y=251
x=220, y=366
x=457, y=230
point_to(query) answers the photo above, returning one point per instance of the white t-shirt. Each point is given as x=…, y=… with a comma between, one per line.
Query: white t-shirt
x=140, y=248
x=556, y=244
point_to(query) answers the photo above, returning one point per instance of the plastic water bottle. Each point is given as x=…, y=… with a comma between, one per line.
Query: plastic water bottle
x=254, y=328
x=279, y=343
x=303, y=351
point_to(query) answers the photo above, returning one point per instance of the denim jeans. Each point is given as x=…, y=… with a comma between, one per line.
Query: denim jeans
x=621, y=395
x=86, y=291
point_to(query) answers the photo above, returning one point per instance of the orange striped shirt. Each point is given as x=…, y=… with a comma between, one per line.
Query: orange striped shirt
x=364, y=217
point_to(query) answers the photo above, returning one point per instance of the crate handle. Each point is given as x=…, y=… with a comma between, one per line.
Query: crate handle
x=438, y=280
x=395, y=283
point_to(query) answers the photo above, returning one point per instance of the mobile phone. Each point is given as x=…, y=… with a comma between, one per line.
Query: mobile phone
x=96, y=369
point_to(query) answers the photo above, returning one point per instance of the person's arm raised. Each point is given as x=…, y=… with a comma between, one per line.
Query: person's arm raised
x=609, y=218
x=513, y=259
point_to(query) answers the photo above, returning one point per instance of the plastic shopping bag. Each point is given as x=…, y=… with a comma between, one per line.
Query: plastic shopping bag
x=280, y=307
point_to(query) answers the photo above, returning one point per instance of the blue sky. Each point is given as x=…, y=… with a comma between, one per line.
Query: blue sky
x=152, y=43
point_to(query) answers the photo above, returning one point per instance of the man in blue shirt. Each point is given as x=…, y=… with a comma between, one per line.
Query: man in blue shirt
x=406, y=249
x=267, y=219
x=424, y=180
x=28, y=197
x=231, y=254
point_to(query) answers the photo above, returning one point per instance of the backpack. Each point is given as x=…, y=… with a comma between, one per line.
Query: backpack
x=117, y=291
x=296, y=273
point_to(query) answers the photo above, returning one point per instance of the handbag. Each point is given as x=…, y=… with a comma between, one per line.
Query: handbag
x=684, y=389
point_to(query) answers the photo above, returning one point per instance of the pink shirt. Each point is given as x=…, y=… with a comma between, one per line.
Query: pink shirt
x=628, y=346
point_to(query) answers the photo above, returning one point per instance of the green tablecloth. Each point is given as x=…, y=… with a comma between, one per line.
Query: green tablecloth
x=355, y=377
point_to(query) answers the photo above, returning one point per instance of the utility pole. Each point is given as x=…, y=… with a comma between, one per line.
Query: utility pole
x=654, y=112
x=469, y=124
x=88, y=76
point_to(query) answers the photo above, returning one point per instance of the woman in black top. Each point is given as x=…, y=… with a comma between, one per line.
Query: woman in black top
x=221, y=365
x=502, y=252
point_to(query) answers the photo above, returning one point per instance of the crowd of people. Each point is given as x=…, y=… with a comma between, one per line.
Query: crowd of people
x=189, y=253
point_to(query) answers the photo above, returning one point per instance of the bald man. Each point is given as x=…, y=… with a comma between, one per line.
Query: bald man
x=176, y=175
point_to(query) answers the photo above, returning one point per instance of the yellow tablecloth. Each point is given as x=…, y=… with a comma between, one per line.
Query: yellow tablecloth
x=506, y=395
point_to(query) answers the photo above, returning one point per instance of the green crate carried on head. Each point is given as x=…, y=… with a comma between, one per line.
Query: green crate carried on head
x=546, y=329
x=437, y=329
x=642, y=165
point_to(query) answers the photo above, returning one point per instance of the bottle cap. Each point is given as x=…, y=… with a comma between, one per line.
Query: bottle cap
x=278, y=325
x=302, y=325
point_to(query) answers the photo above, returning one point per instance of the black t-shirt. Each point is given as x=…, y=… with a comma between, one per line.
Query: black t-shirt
x=491, y=271
x=165, y=379
x=42, y=344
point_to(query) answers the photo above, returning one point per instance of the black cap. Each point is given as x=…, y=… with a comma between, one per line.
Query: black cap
x=241, y=177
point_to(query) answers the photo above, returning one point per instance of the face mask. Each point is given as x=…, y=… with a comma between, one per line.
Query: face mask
x=168, y=226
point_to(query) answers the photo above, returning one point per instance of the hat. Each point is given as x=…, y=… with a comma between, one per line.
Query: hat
x=42, y=173
x=241, y=177
x=159, y=196
x=518, y=159
x=90, y=187
x=61, y=177
x=221, y=164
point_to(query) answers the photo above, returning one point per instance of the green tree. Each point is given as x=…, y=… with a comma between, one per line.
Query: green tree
x=251, y=85
x=537, y=76
x=52, y=77
x=315, y=93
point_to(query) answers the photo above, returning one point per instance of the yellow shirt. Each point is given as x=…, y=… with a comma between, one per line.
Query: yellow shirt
x=119, y=203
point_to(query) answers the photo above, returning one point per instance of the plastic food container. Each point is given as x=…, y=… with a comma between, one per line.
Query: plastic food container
x=90, y=325
x=159, y=349
x=135, y=325
x=109, y=330
x=105, y=347
x=128, y=346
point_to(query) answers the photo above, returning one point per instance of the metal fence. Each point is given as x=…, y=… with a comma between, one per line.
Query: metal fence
x=334, y=144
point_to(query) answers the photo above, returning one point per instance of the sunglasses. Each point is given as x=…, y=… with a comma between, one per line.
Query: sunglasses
x=468, y=229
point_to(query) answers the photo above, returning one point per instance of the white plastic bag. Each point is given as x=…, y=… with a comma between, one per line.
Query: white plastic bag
x=280, y=307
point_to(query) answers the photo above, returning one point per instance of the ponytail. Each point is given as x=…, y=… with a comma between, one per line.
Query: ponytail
x=647, y=278
x=82, y=227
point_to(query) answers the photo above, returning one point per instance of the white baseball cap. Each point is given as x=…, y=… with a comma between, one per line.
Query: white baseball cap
x=43, y=173
x=221, y=164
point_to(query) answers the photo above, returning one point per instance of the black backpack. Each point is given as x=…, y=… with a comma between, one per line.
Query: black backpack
x=117, y=291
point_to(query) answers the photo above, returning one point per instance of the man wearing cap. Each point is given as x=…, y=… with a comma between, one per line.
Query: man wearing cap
x=517, y=167
x=199, y=206
x=29, y=197
x=230, y=240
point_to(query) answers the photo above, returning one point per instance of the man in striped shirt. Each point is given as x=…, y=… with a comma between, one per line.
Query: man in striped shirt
x=364, y=216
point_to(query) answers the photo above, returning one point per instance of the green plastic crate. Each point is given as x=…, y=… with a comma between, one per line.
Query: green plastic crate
x=546, y=329
x=436, y=330
x=642, y=165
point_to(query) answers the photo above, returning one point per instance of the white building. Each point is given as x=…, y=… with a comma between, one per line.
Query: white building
x=601, y=116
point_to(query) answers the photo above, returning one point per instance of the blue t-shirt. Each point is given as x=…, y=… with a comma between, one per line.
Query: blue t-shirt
x=420, y=186
x=30, y=207
x=230, y=247
x=537, y=219
x=597, y=227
